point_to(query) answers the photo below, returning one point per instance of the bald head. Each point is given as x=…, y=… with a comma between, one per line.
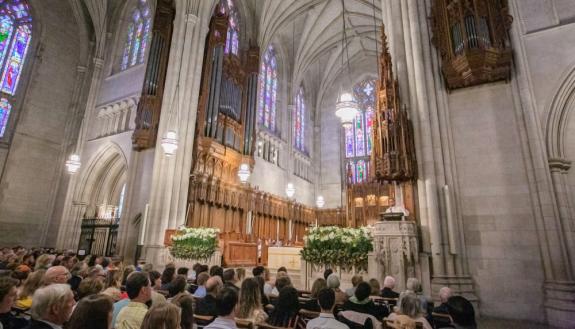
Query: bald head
x=213, y=285
x=444, y=294
x=389, y=282
x=56, y=274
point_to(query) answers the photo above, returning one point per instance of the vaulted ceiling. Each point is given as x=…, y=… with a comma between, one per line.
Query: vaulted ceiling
x=311, y=33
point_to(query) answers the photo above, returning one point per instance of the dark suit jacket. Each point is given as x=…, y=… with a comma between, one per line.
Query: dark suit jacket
x=379, y=312
x=9, y=321
x=311, y=305
x=206, y=306
x=38, y=325
x=388, y=293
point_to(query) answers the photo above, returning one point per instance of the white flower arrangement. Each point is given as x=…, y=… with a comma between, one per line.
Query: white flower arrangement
x=336, y=246
x=198, y=243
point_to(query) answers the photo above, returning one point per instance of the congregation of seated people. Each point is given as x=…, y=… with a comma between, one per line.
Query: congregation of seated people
x=45, y=289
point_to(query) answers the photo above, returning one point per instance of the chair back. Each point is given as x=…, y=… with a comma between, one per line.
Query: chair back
x=303, y=317
x=441, y=320
x=269, y=326
x=367, y=324
x=360, y=318
x=244, y=324
x=203, y=320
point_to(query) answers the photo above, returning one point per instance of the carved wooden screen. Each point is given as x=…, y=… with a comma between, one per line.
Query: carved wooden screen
x=150, y=105
x=471, y=36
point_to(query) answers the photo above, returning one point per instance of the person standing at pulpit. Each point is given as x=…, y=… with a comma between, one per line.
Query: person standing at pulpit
x=393, y=208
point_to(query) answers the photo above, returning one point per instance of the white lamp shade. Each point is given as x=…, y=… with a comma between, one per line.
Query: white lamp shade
x=290, y=190
x=346, y=108
x=320, y=202
x=170, y=143
x=73, y=164
x=244, y=172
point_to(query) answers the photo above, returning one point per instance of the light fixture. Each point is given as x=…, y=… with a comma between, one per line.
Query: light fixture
x=320, y=202
x=290, y=190
x=346, y=108
x=170, y=143
x=244, y=172
x=73, y=164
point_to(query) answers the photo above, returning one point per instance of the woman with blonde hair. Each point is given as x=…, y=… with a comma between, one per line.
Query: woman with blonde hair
x=32, y=283
x=162, y=316
x=113, y=284
x=317, y=286
x=250, y=302
x=43, y=262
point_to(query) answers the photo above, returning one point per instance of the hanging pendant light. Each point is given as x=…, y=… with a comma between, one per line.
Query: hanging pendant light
x=170, y=143
x=320, y=202
x=244, y=172
x=346, y=108
x=290, y=190
x=73, y=164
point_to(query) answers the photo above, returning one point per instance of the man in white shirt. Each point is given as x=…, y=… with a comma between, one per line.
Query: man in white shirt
x=326, y=320
x=393, y=208
x=226, y=301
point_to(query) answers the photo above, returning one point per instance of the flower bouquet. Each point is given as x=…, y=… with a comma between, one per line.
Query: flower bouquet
x=333, y=246
x=194, y=243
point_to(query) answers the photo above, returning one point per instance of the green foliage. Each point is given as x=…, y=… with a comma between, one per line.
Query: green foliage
x=197, y=243
x=335, y=246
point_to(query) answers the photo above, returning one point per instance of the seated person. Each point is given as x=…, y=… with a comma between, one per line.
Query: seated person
x=282, y=282
x=312, y=304
x=178, y=288
x=413, y=285
x=207, y=305
x=355, y=280
x=250, y=305
x=444, y=295
x=375, y=287
x=8, y=295
x=388, y=285
x=226, y=301
x=461, y=312
x=326, y=320
x=201, y=290
x=409, y=304
x=361, y=303
x=286, y=310
x=333, y=283
x=230, y=279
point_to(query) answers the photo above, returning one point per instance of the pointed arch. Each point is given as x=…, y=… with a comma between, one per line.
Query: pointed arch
x=137, y=35
x=558, y=113
x=268, y=84
x=299, y=120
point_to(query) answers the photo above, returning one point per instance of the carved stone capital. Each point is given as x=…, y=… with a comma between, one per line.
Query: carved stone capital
x=559, y=165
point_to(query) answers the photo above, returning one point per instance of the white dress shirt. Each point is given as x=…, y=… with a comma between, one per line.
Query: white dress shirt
x=325, y=321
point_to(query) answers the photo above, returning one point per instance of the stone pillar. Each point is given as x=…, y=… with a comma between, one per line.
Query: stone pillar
x=170, y=177
x=69, y=231
x=416, y=64
x=560, y=301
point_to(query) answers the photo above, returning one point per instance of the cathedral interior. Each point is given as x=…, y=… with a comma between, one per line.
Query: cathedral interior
x=133, y=118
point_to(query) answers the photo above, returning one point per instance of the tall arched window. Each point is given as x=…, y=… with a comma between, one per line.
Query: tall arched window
x=358, y=139
x=233, y=38
x=299, y=121
x=137, y=36
x=268, y=90
x=15, y=37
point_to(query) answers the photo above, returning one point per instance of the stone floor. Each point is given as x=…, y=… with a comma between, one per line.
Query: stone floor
x=490, y=323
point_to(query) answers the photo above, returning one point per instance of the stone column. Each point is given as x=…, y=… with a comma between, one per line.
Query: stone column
x=416, y=64
x=69, y=231
x=170, y=177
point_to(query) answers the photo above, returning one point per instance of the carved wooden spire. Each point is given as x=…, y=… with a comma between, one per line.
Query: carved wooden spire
x=393, y=157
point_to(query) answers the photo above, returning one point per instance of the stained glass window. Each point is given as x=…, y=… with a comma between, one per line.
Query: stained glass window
x=15, y=38
x=233, y=36
x=299, y=121
x=268, y=90
x=138, y=36
x=358, y=140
